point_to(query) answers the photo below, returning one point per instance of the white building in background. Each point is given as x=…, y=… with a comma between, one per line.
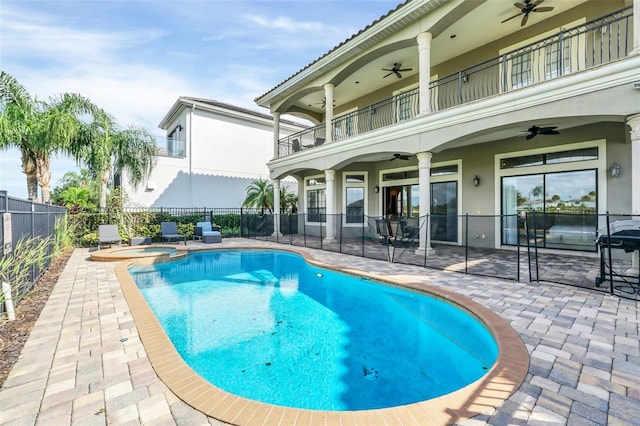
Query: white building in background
x=213, y=151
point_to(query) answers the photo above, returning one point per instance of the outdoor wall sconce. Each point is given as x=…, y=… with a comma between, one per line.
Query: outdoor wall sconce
x=615, y=169
x=476, y=181
x=465, y=78
x=376, y=189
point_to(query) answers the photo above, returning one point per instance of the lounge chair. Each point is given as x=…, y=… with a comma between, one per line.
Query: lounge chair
x=207, y=233
x=108, y=234
x=170, y=232
x=408, y=229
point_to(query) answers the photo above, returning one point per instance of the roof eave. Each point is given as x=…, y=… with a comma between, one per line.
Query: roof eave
x=391, y=22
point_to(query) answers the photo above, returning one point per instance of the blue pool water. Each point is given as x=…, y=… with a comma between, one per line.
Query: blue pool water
x=267, y=326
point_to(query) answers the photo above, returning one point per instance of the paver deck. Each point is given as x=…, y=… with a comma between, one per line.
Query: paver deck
x=84, y=362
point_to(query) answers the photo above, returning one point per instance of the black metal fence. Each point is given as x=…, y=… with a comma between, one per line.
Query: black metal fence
x=26, y=219
x=534, y=247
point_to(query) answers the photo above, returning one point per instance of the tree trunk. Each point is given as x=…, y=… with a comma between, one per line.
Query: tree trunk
x=43, y=173
x=103, y=188
x=29, y=168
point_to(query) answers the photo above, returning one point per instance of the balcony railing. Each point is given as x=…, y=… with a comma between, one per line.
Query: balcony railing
x=171, y=147
x=585, y=46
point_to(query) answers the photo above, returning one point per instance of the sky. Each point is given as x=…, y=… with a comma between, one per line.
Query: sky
x=135, y=58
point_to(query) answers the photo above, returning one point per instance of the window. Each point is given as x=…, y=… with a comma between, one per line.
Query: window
x=316, y=199
x=558, y=58
x=566, y=201
x=559, y=157
x=521, y=70
x=355, y=197
x=176, y=143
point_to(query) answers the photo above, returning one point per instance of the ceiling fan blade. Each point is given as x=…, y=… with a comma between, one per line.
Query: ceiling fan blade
x=531, y=136
x=524, y=20
x=543, y=9
x=537, y=3
x=552, y=132
x=406, y=69
x=387, y=75
x=399, y=75
x=520, y=5
x=508, y=19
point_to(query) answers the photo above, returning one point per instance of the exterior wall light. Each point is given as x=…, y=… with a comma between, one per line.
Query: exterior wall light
x=476, y=181
x=615, y=169
x=376, y=189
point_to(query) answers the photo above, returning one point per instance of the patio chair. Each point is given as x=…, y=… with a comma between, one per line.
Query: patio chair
x=383, y=228
x=408, y=229
x=170, y=232
x=207, y=233
x=108, y=234
x=295, y=145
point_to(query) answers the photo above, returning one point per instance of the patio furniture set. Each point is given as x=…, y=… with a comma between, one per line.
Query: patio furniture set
x=203, y=231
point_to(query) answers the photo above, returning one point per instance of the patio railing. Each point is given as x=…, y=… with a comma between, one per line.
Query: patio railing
x=594, y=43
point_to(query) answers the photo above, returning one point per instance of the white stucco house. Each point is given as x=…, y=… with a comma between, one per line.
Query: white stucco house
x=213, y=151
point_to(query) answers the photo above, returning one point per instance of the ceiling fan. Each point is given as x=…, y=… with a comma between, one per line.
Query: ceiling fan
x=526, y=8
x=400, y=157
x=535, y=131
x=396, y=69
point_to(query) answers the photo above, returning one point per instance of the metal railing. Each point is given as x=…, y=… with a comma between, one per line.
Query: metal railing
x=594, y=43
x=303, y=140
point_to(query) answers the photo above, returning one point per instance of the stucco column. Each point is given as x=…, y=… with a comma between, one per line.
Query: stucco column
x=276, y=207
x=634, y=123
x=276, y=134
x=424, y=177
x=328, y=108
x=636, y=28
x=424, y=71
x=329, y=176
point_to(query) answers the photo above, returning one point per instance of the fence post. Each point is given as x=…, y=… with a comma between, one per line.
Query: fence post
x=33, y=231
x=241, y=220
x=466, y=244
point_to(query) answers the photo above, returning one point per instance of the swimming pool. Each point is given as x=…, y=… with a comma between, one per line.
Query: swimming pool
x=268, y=326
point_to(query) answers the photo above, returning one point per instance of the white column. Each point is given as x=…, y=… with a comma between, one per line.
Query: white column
x=331, y=206
x=328, y=108
x=424, y=71
x=636, y=28
x=276, y=207
x=276, y=134
x=424, y=177
x=634, y=123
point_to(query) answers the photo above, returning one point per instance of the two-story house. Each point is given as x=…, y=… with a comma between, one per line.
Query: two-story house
x=443, y=108
x=212, y=153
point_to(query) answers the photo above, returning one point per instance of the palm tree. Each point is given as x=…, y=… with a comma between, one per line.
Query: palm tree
x=59, y=126
x=259, y=195
x=38, y=129
x=288, y=200
x=107, y=149
x=18, y=121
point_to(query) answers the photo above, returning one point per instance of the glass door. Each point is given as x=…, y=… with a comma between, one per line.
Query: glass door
x=444, y=211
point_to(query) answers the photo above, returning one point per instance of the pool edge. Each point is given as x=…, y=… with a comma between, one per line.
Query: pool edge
x=490, y=391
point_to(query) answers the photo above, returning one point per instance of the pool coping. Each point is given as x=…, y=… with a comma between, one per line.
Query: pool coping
x=481, y=396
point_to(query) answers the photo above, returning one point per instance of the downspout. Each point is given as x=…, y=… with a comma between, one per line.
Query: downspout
x=193, y=108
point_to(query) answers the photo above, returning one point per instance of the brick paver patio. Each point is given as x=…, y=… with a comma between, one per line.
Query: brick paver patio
x=84, y=363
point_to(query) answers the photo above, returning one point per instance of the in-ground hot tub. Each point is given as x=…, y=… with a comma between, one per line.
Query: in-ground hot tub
x=157, y=253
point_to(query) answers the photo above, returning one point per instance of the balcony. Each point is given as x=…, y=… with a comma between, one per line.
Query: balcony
x=170, y=147
x=592, y=44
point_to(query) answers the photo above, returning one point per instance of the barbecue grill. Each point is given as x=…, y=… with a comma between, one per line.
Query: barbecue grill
x=622, y=235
